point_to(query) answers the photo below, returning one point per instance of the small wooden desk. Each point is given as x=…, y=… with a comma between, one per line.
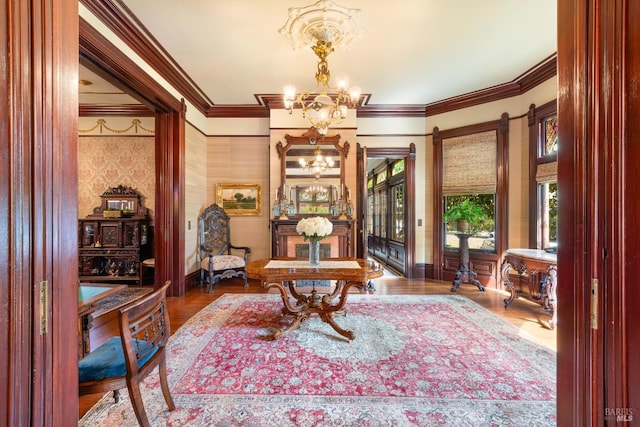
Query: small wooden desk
x=347, y=272
x=89, y=297
x=538, y=269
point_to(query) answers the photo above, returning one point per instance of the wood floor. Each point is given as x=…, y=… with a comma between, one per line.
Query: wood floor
x=529, y=317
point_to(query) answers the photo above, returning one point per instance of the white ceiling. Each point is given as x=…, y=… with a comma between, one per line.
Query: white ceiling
x=413, y=51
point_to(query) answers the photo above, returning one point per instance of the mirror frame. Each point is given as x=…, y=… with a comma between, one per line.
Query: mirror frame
x=310, y=137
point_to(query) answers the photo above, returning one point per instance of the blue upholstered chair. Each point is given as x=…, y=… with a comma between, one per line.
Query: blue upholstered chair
x=125, y=360
x=219, y=259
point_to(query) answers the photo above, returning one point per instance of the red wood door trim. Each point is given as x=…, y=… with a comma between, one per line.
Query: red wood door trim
x=409, y=156
x=599, y=241
x=38, y=190
x=102, y=57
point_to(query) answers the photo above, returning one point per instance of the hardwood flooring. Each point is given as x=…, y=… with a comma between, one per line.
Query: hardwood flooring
x=529, y=317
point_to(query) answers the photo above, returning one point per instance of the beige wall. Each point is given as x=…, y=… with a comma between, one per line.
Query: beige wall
x=196, y=191
x=242, y=160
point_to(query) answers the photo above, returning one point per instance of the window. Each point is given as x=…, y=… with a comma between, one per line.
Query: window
x=547, y=181
x=544, y=176
x=464, y=178
x=397, y=187
x=314, y=199
x=482, y=232
x=548, y=200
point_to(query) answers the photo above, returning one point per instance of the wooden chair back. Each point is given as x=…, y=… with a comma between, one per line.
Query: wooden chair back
x=214, y=232
x=144, y=332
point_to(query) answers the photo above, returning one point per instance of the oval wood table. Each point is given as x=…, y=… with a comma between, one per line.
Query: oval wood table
x=282, y=273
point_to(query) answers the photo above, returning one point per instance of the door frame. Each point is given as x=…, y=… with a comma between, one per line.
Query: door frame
x=103, y=58
x=409, y=156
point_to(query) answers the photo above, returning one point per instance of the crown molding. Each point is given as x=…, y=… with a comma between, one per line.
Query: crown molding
x=392, y=110
x=125, y=110
x=238, y=111
x=119, y=19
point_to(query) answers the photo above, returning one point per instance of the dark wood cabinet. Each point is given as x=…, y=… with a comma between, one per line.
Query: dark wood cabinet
x=115, y=239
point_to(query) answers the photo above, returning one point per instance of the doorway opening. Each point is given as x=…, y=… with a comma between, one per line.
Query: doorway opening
x=386, y=192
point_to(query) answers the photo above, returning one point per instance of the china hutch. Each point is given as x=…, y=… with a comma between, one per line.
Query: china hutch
x=115, y=239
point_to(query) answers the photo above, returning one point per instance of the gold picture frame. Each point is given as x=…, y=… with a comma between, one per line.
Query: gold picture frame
x=239, y=199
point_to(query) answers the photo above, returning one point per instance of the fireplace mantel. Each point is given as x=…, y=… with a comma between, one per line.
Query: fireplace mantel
x=284, y=238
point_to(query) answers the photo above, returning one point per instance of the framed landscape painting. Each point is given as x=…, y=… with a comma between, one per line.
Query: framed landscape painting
x=239, y=199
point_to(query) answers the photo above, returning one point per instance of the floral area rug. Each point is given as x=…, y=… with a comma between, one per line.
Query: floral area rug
x=427, y=360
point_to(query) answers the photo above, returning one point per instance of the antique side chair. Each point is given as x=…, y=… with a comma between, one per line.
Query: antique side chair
x=125, y=360
x=215, y=249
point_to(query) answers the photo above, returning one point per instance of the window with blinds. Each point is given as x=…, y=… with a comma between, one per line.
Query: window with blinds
x=469, y=164
x=470, y=172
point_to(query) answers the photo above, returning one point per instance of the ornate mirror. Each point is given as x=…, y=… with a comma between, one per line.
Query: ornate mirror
x=312, y=173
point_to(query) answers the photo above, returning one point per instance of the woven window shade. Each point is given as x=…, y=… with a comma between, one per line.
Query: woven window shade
x=547, y=172
x=469, y=164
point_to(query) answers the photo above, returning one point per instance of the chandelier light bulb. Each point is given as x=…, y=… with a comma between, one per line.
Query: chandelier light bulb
x=354, y=93
x=290, y=92
x=323, y=115
x=342, y=83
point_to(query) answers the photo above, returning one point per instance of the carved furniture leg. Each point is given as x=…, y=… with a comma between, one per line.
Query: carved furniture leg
x=504, y=273
x=552, y=284
x=327, y=311
x=299, y=312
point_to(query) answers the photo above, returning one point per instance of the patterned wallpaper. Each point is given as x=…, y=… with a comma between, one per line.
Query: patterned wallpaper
x=109, y=161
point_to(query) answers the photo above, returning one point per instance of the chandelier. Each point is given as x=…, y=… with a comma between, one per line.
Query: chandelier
x=317, y=189
x=323, y=27
x=318, y=164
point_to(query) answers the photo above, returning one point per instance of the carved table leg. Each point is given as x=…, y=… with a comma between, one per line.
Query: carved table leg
x=552, y=284
x=504, y=273
x=314, y=303
x=327, y=311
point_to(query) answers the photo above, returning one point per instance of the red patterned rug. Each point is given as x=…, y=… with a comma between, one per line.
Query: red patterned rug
x=428, y=360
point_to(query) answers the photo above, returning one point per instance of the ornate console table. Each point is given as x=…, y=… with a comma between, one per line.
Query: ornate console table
x=537, y=278
x=347, y=272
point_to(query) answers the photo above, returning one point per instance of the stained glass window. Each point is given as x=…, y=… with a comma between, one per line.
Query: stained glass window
x=382, y=177
x=550, y=126
x=398, y=167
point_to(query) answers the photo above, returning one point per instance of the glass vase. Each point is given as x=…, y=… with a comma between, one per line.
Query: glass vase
x=314, y=252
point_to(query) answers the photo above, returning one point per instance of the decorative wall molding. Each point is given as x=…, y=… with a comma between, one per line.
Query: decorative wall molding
x=101, y=127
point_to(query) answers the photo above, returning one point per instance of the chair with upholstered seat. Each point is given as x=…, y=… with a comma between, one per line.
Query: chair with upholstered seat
x=217, y=254
x=125, y=360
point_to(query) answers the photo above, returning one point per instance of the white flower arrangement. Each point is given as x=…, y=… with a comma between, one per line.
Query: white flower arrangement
x=315, y=228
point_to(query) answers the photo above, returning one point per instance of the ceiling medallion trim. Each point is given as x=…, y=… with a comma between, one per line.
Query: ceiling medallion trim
x=324, y=21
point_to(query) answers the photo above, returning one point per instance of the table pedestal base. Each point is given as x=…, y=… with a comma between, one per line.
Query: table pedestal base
x=464, y=275
x=321, y=304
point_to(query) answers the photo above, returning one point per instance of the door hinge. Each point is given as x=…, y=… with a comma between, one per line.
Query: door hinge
x=594, y=303
x=44, y=304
